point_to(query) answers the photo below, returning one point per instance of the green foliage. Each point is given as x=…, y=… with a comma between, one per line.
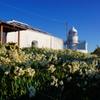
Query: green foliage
x=96, y=51
x=10, y=46
x=46, y=74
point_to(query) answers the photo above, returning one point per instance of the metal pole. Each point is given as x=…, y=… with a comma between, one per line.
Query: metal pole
x=66, y=32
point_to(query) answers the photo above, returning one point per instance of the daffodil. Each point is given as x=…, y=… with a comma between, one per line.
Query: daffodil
x=61, y=83
x=16, y=68
x=7, y=72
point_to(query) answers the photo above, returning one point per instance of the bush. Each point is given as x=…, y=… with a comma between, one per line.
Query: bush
x=96, y=51
x=10, y=46
x=46, y=74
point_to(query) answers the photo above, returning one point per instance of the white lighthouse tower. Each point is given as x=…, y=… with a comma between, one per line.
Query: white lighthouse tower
x=73, y=43
x=72, y=39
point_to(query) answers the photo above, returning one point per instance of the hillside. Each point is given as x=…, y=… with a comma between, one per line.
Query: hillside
x=48, y=74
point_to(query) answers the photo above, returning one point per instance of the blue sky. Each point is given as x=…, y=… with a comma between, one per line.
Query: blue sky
x=51, y=16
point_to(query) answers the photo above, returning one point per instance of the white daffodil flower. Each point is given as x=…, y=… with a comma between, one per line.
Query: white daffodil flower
x=7, y=72
x=61, y=82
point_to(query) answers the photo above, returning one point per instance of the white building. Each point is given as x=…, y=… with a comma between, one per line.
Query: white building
x=34, y=37
x=73, y=43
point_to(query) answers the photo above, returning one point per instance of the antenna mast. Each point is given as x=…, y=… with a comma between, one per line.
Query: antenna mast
x=66, y=31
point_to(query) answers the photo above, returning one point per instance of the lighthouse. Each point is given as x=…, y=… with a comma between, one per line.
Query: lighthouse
x=73, y=43
x=72, y=39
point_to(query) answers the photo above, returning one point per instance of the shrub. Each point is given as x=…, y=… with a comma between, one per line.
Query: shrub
x=96, y=51
x=10, y=46
x=46, y=74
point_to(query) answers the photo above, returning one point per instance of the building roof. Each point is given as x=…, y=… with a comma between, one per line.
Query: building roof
x=26, y=26
x=10, y=27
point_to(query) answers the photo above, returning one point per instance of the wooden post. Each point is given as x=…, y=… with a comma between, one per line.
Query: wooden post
x=6, y=37
x=1, y=32
x=19, y=39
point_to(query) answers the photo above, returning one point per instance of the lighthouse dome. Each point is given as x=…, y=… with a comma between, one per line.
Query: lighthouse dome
x=73, y=30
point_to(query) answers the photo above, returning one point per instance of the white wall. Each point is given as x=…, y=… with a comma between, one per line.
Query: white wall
x=82, y=47
x=44, y=40
x=57, y=43
x=29, y=35
x=12, y=37
x=72, y=46
x=83, y=51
